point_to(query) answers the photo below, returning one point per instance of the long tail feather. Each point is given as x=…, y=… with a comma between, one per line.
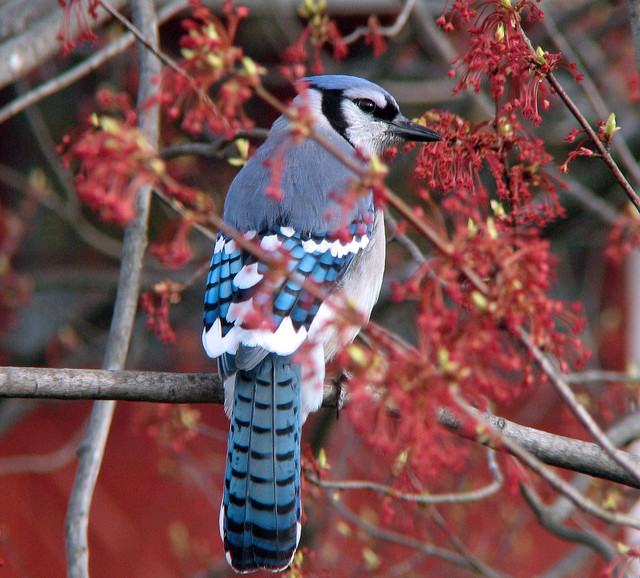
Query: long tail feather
x=261, y=503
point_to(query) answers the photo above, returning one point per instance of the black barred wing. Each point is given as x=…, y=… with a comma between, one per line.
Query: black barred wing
x=235, y=276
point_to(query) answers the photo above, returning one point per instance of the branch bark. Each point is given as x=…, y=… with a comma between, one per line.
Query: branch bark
x=99, y=384
x=91, y=450
x=555, y=450
x=37, y=44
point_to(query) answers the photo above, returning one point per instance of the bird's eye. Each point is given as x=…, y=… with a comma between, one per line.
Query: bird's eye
x=365, y=105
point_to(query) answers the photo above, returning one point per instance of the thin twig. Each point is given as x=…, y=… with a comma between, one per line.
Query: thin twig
x=409, y=542
x=93, y=237
x=566, y=393
x=457, y=543
x=551, y=477
x=593, y=94
x=598, y=375
x=212, y=150
x=603, y=151
x=408, y=244
x=547, y=518
x=149, y=41
x=41, y=464
x=422, y=498
x=387, y=31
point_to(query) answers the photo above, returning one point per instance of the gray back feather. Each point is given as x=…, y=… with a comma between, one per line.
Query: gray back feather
x=312, y=181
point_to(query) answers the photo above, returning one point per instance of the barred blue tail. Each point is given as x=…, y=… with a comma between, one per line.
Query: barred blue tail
x=261, y=503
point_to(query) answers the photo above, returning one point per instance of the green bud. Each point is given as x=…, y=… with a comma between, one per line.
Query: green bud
x=611, y=126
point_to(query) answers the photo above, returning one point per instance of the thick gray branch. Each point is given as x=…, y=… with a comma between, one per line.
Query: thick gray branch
x=560, y=451
x=69, y=384
x=101, y=384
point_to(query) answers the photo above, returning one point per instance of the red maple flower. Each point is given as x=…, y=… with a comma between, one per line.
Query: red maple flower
x=321, y=31
x=502, y=55
x=172, y=247
x=116, y=160
x=515, y=159
x=211, y=63
x=374, y=38
x=155, y=303
x=85, y=33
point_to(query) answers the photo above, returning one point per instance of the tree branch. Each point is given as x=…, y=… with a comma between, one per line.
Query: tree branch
x=23, y=53
x=77, y=72
x=423, y=497
x=99, y=384
x=584, y=417
x=548, y=519
x=555, y=450
x=409, y=542
x=588, y=129
x=91, y=450
x=387, y=31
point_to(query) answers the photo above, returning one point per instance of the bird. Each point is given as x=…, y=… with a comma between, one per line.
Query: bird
x=271, y=334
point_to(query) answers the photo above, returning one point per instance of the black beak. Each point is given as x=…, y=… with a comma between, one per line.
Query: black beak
x=411, y=131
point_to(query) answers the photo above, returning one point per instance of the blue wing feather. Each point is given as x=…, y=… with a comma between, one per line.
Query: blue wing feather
x=322, y=266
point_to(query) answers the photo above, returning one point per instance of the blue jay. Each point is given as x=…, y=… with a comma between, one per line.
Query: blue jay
x=340, y=246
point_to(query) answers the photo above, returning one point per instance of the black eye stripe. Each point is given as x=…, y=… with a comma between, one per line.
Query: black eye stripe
x=332, y=110
x=333, y=99
x=368, y=106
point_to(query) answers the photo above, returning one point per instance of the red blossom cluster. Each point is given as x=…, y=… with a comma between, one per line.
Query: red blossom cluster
x=605, y=131
x=487, y=193
x=171, y=247
x=484, y=196
x=467, y=341
x=156, y=303
x=375, y=38
x=116, y=160
x=171, y=426
x=515, y=159
x=624, y=237
x=321, y=31
x=215, y=79
x=501, y=54
x=85, y=33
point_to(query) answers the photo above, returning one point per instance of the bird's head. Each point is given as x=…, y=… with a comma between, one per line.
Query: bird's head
x=362, y=113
